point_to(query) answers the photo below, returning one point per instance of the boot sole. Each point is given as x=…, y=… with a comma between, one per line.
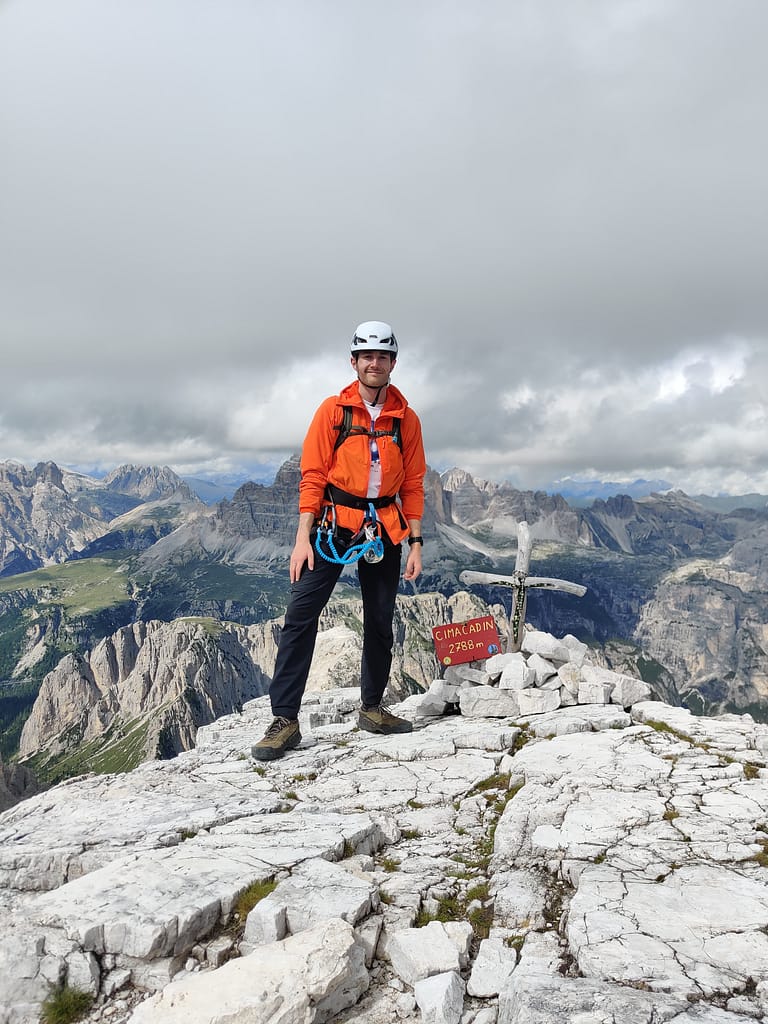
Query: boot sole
x=273, y=753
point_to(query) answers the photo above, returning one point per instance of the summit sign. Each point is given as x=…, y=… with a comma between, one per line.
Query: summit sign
x=473, y=640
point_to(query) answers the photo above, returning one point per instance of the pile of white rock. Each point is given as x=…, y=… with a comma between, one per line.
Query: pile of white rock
x=545, y=675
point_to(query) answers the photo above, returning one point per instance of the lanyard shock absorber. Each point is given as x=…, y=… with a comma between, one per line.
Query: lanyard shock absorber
x=366, y=543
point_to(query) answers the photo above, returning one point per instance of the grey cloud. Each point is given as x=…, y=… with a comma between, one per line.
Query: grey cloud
x=193, y=195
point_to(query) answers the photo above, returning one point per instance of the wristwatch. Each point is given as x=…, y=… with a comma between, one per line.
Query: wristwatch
x=416, y=540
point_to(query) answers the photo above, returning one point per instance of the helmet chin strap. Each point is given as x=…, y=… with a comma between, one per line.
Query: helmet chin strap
x=378, y=392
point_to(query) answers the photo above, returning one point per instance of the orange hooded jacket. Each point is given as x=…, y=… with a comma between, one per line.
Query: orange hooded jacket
x=402, y=470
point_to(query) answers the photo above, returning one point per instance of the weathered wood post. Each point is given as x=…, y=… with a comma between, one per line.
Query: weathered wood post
x=521, y=583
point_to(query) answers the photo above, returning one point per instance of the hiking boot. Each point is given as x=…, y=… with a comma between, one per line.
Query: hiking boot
x=282, y=735
x=380, y=719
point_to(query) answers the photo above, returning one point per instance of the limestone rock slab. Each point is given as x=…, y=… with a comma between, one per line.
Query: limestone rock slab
x=488, y=702
x=544, y=644
x=316, y=891
x=494, y=963
x=440, y=998
x=417, y=953
x=537, y=702
x=304, y=979
x=516, y=673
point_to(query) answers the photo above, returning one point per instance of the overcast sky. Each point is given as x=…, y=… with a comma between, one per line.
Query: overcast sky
x=560, y=205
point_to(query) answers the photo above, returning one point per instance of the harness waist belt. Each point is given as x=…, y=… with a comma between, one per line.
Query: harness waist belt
x=339, y=497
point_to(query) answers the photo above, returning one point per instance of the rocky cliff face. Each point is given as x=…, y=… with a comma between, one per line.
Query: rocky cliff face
x=670, y=525
x=708, y=625
x=147, y=483
x=588, y=864
x=47, y=515
x=499, y=507
x=39, y=522
x=140, y=693
x=16, y=783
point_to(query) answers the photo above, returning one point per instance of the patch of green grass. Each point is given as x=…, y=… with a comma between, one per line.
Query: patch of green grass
x=455, y=908
x=120, y=749
x=390, y=864
x=415, y=805
x=65, y=1005
x=515, y=942
x=658, y=726
x=479, y=891
x=460, y=874
x=498, y=781
x=449, y=908
x=291, y=795
x=410, y=833
x=670, y=814
x=524, y=736
x=752, y=771
x=212, y=628
x=481, y=919
x=249, y=897
x=80, y=587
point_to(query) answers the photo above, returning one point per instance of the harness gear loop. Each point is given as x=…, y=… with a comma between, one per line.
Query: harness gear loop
x=371, y=548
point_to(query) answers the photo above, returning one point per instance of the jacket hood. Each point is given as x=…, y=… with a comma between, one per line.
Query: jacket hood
x=395, y=403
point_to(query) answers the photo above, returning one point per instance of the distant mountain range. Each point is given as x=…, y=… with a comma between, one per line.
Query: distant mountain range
x=677, y=587
x=581, y=493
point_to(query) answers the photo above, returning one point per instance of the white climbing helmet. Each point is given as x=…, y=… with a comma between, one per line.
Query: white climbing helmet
x=374, y=336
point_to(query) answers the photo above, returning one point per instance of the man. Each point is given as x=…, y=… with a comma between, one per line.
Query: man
x=362, y=491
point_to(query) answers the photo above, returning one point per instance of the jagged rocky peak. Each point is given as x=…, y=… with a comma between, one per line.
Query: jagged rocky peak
x=146, y=482
x=49, y=473
x=143, y=692
x=289, y=474
x=14, y=474
x=436, y=504
x=263, y=510
x=453, y=479
x=39, y=522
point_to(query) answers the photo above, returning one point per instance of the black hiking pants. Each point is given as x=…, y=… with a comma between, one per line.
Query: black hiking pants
x=309, y=595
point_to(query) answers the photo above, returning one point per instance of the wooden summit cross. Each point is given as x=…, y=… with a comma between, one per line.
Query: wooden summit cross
x=521, y=583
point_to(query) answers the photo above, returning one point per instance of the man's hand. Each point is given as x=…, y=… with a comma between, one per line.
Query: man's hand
x=302, y=552
x=302, y=549
x=413, y=565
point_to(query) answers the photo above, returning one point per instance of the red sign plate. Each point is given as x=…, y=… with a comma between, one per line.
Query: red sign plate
x=472, y=640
